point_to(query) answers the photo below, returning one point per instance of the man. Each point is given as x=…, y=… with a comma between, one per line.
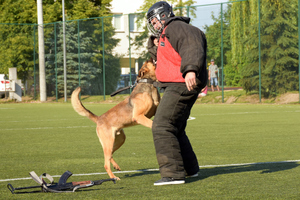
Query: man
x=180, y=52
x=213, y=75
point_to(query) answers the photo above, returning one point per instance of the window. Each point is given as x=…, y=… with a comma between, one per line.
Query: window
x=117, y=22
x=134, y=25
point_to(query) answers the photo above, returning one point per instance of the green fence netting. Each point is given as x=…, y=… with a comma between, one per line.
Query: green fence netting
x=255, y=44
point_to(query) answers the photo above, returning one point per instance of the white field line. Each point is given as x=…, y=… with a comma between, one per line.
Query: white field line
x=45, y=120
x=42, y=128
x=151, y=170
x=256, y=112
x=191, y=118
x=45, y=128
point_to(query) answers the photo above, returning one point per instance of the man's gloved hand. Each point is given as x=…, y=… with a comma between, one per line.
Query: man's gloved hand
x=152, y=46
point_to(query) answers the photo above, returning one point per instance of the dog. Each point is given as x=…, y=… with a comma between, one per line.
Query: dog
x=136, y=109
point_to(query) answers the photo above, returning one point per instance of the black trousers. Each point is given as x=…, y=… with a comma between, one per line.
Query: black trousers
x=174, y=152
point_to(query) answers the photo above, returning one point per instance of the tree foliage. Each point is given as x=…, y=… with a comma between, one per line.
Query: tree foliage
x=213, y=36
x=83, y=67
x=17, y=40
x=279, y=40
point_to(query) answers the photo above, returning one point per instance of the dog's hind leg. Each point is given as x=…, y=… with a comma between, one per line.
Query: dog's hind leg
x=107, y=138
x=119, y=141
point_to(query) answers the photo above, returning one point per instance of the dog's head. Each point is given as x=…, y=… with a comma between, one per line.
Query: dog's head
x=147, y=70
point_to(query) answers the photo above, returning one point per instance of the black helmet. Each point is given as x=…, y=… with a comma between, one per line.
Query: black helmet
x=161, y=11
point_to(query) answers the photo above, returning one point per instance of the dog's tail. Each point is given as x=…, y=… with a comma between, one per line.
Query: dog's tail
x=79, y=108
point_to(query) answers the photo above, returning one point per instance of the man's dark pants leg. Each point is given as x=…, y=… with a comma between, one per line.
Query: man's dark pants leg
x=173, y=149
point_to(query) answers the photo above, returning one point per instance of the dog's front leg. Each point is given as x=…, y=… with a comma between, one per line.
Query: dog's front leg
x=143, y=120
x=142, y=104
x=155, y=96
x=138, y=116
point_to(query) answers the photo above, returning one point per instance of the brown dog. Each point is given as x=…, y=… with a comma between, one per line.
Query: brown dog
x=135, y=109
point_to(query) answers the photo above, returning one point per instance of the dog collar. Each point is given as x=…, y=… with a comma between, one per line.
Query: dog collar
x=146, y=80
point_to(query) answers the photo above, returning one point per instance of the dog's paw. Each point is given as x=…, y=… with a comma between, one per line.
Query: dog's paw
x=117, y=178
x=116, y=167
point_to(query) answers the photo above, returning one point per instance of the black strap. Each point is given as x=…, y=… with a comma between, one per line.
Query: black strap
x=144, y=80
x=120, y=90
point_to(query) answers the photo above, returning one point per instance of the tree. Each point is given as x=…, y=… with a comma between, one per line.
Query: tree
x=93, y=28
x=16, y=36
x=88, y=71
x=213, y=36
x=16, y=49
x=279, y=52
x=16, y=39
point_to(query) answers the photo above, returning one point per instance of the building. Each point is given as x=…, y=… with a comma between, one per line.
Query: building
x=125, y=25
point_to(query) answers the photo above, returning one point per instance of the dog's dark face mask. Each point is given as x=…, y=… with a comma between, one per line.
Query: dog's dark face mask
x=147, y=70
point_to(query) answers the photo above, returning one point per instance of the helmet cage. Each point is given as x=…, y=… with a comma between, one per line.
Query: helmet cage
x=155, y=32
x=163, y=12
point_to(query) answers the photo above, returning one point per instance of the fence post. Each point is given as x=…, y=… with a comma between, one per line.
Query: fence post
x=64, y=51
x=55, y=44
x=103, y=59
x=259, y=51
x=188, y=11
x=79, y=69
x=299, y=44
x=130, y=82
x=222, y=46
x=34, y=81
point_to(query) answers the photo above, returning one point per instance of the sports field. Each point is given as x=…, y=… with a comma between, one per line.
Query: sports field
x=245, y=151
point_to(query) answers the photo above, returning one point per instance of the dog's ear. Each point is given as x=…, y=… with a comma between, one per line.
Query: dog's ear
x=150, y=60
x=140, y=72
x=143, y=70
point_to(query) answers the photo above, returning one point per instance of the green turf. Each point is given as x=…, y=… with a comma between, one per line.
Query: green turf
x=52, y=138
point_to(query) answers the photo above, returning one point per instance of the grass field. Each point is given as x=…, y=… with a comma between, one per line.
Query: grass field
x=239, y=147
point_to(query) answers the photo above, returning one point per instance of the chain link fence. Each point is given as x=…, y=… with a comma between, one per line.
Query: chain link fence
x=254, y=46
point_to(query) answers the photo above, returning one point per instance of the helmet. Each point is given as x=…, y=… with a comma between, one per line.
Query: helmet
x=161, y=11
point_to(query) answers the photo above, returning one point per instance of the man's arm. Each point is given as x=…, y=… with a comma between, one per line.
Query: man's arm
x=152, y=46
x=190, y=43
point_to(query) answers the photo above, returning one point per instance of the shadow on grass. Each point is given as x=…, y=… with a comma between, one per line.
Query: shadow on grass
x=208, y=172
x=262, y=167
x=142, y=172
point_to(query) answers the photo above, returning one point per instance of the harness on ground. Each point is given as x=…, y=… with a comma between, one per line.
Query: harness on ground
x=144, y=80
x=60, y=187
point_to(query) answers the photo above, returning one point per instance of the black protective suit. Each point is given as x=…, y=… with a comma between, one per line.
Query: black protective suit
x=174, y=152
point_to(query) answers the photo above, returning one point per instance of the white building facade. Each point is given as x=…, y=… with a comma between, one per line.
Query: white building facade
x=126, y=26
